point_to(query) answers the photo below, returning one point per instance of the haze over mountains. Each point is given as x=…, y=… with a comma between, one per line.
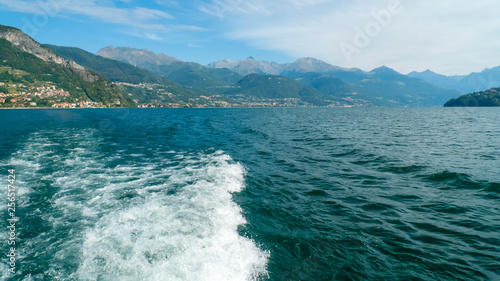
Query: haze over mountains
x=251, y=65
x=352, y=86
x=474, y=82
x=122, y=76
x=488, y=78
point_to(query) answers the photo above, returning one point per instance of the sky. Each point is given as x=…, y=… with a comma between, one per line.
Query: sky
x=448, y=37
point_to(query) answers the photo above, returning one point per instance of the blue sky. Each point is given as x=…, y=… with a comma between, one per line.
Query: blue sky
x=446, y=36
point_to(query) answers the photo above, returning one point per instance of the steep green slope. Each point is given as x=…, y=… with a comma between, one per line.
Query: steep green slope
x=190, y=74
x=148, y=87
x=276, y=87
x=327, y=84
x=486, y=98
x=90, y=86
x=112, y=70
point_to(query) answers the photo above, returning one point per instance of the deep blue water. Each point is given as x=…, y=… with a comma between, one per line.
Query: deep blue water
x=253, y=194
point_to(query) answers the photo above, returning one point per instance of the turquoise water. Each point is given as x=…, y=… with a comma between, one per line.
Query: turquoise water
x=253, y=194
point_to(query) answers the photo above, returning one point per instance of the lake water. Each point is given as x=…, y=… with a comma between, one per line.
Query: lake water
x=253, y=194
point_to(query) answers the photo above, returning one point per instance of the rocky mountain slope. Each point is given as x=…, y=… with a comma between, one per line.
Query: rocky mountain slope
x=142, y=85
x=27, y=69
x=188, y=74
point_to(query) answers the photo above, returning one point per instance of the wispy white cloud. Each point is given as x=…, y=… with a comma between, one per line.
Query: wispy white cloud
x=188, y=27
x=220, y=8
x=448, y=36
x=137, y=17
x=145, y=14
x=103, y=11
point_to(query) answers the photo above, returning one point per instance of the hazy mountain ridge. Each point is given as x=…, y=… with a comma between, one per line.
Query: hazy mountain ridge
x=249, y=66
x=439, y=80
x=465, y=84
x=381, y=86
x=142, y=58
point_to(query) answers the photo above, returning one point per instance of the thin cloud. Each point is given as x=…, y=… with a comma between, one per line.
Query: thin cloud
x=451, y=37
x=146, y=14
x=256, y=7
x=188, y=27
x=138, y=17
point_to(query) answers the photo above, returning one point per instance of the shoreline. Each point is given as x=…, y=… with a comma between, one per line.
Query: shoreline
x=237, y=107
x=78, y=108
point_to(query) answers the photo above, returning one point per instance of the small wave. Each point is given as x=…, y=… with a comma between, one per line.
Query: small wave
x=402, y=169
x=492, y=187
x=448, y=176
x=465, y=181
x=318, y=193
x=349, y=152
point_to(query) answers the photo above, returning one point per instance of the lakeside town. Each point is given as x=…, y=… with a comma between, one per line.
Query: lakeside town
x=19, y=95
x=23, y=96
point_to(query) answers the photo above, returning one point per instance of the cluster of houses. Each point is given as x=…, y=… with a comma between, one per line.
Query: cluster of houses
x=25, y=94
x=160, y=105
x=24, y=97
x=83, y=104
x=46, y=92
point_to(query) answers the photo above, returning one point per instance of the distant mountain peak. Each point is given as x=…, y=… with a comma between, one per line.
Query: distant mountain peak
x=249, y=65
x=301, y=65
x=425, y=72
x=384, y=69
x=308, y=64
x=136, y=57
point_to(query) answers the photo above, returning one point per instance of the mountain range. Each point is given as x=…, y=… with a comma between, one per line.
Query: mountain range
x=189, y=74
x=123, y=76
x=142, y=85
x=347, y=86
x=474, y=82
x=488, y=78
x=204, y=86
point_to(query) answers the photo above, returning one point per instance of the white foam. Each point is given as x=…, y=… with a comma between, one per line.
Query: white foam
x=160, y=220
x=191, y=235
